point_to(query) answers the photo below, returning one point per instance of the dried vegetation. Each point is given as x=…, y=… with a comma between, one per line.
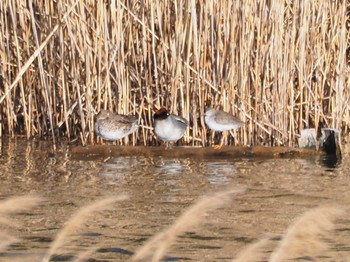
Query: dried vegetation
x=280, y=66
x=305, y=238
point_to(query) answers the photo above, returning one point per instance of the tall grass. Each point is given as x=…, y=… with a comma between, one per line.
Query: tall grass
x=8, y=208
x=67, y=233
x=306, y=237
x=155, y=248
x=280, y=66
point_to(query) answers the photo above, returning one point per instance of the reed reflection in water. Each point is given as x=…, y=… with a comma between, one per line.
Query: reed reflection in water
x=159, y=190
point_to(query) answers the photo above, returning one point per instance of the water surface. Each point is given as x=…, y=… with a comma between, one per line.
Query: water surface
x=160, y=189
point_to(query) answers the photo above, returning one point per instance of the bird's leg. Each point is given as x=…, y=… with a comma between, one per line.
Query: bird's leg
x=212, y=138
x=168, y=145
x=126, y=140
x=222, y=141
x=224, y=138
x=233, y=136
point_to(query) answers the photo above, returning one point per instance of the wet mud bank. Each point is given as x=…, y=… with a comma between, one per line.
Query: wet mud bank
x=102, y=151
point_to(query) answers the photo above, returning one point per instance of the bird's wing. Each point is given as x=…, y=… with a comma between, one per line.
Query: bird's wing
x=97, y=129
x=124, y=122
x=181, y=119
x=225, y=118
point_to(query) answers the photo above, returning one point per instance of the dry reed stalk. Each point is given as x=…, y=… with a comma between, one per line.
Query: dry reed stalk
x=256, y=60
x=84, y=256
x=253, y=252
x=305, y=237
x=6, y=240
x=77, y=220
x=14, y=205
x=154, y=248
x=30, y=258
x=7, y=208
x=44, y=84
x=25, y=67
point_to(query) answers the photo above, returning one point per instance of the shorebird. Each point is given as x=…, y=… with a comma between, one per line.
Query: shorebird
x=169, y=127
x=218, y=120
x=112, y=126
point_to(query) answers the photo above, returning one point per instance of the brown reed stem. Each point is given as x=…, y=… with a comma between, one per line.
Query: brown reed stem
x=256, y=60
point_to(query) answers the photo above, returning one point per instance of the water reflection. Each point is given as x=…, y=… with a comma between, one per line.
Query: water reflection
x=219, y=172
x=160, y=189
x=330, y=161
x=170, y=166
x=119, y=167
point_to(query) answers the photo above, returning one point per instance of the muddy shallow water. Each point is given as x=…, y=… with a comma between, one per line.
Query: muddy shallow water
x=277, y=191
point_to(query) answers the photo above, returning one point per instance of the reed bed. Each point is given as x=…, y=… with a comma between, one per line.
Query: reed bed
x=280, y=66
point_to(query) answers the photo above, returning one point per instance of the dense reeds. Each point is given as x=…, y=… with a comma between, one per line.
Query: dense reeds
x=280, y=66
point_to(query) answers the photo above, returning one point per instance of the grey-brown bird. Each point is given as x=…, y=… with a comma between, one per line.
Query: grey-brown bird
x=218, y=120
x=112, y=126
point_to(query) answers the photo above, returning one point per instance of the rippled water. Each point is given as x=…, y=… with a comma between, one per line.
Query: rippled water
x=160, y=189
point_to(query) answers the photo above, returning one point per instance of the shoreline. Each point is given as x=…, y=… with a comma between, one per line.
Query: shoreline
x=226, y=152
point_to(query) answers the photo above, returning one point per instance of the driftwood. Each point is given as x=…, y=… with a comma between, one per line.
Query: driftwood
x=227, y=152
